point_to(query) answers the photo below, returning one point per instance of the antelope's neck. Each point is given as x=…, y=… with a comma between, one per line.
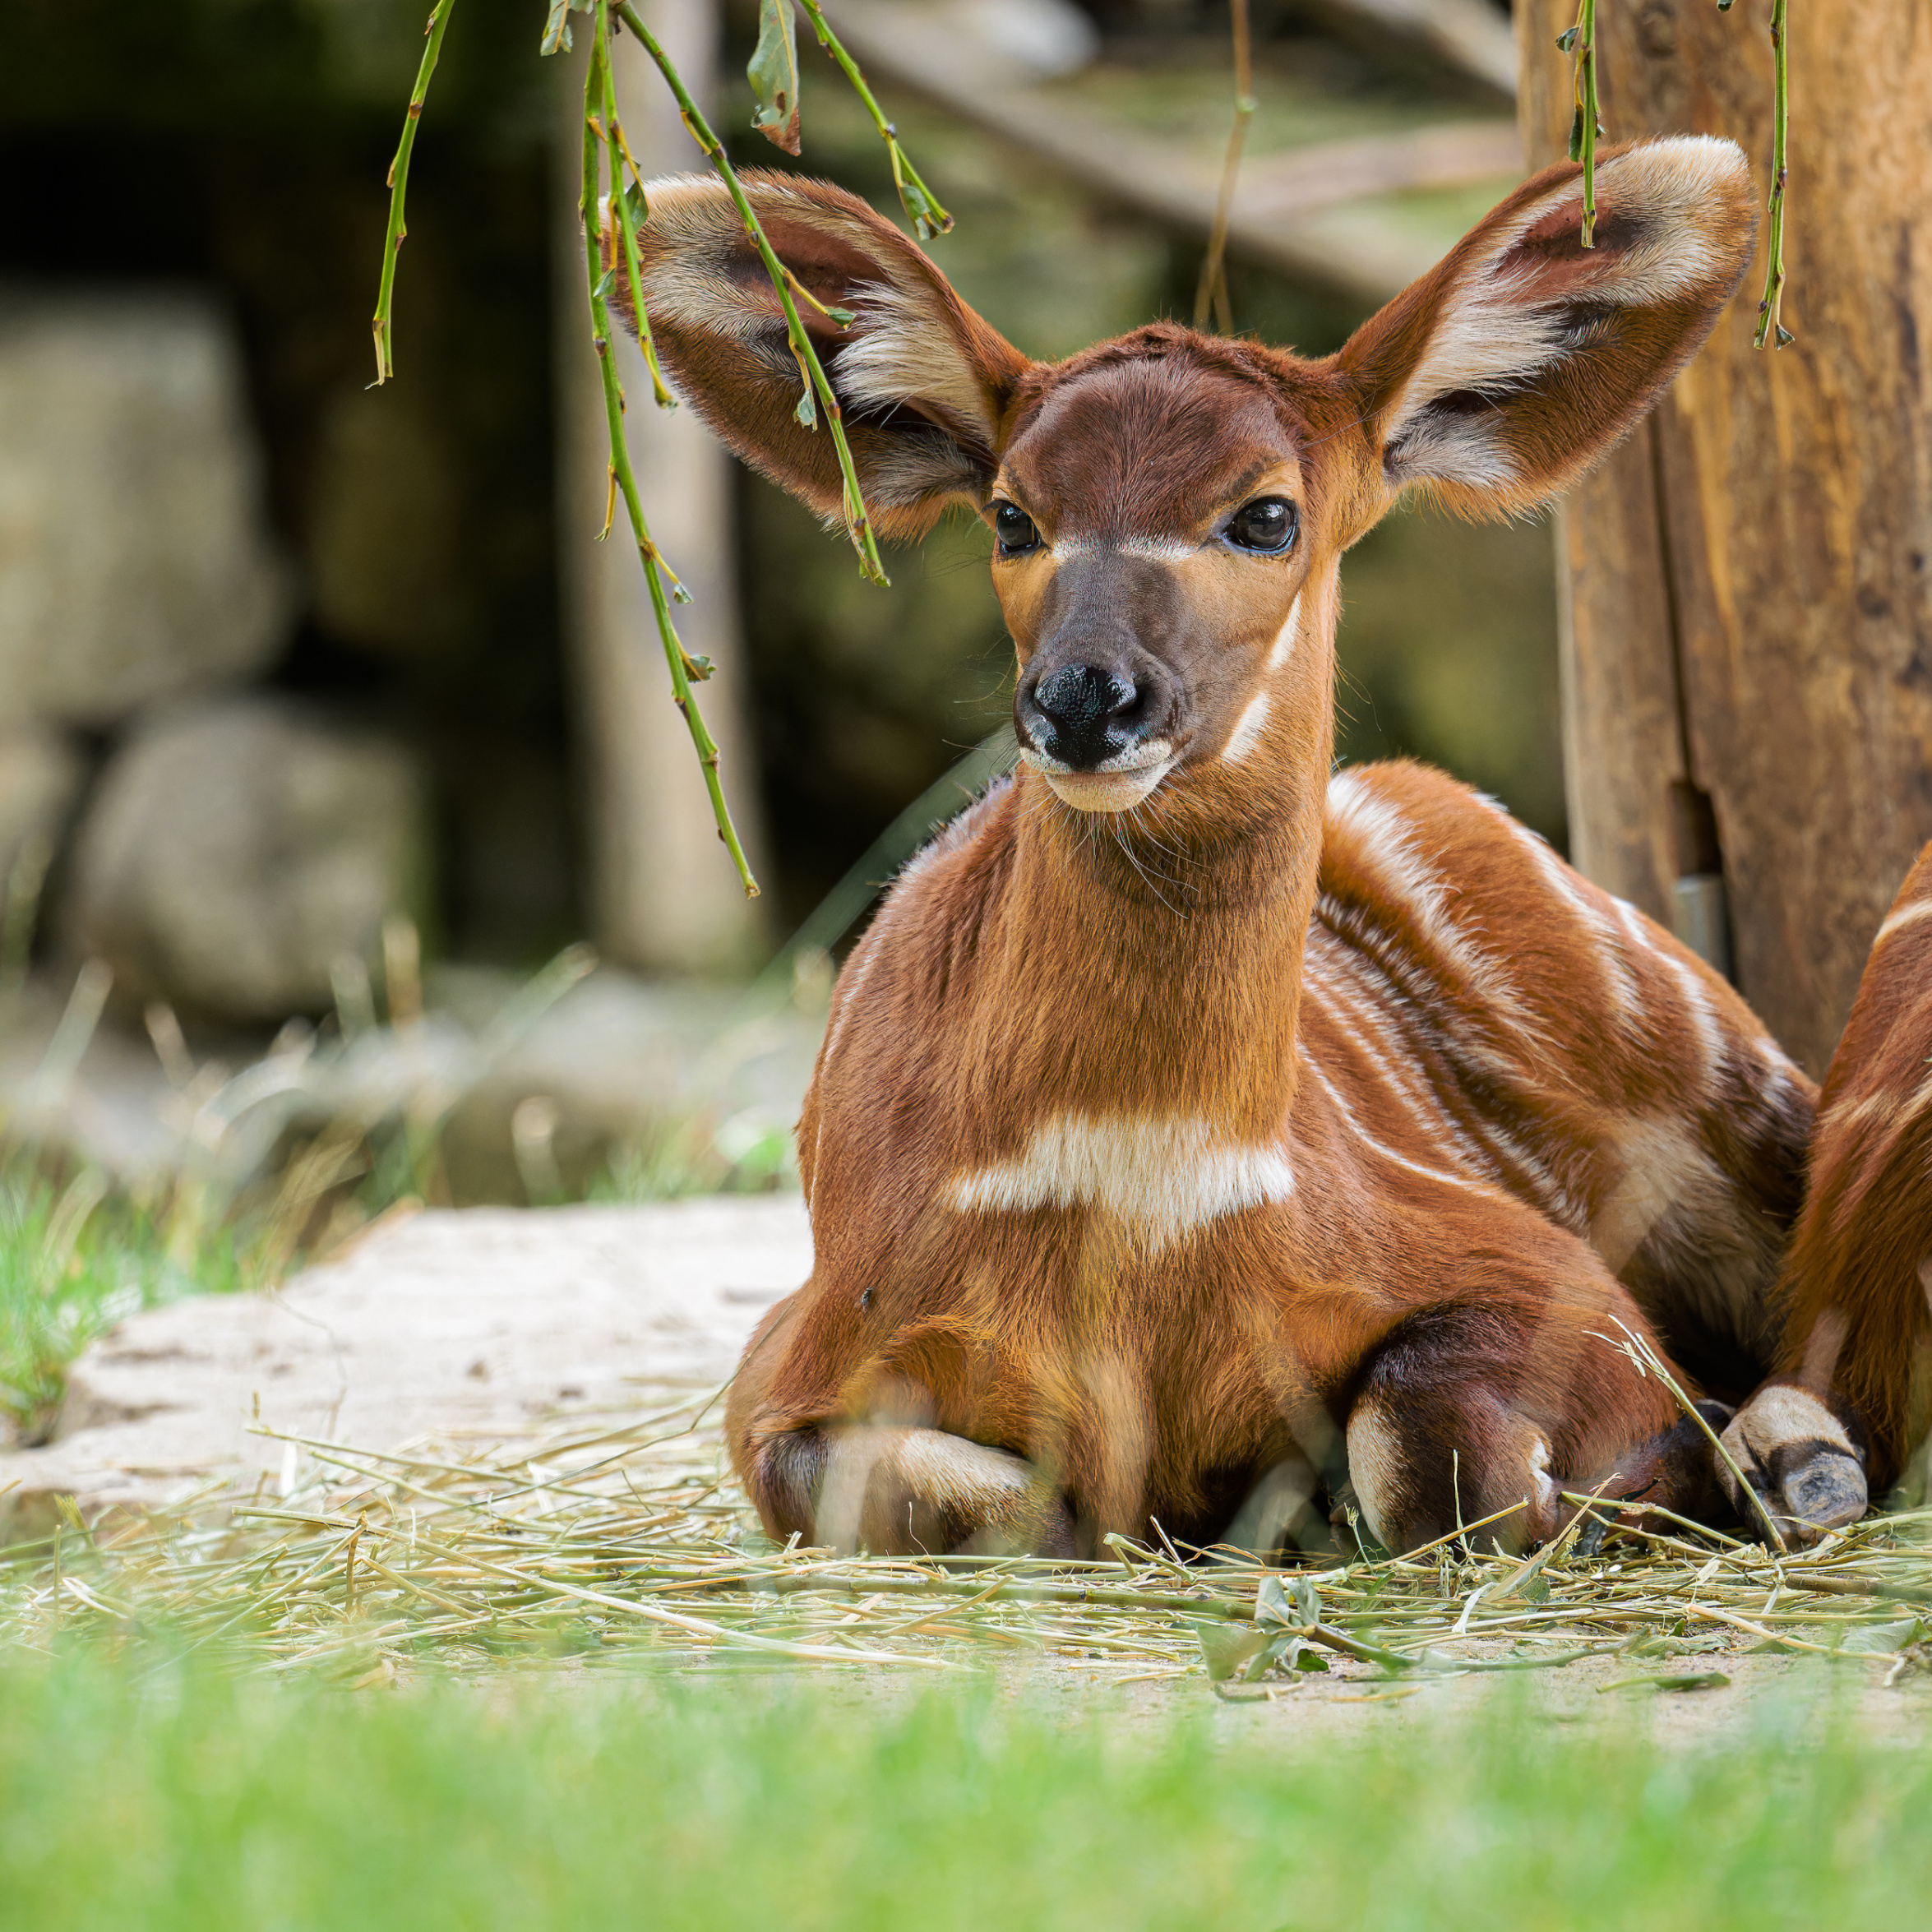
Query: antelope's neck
x=1155, y=976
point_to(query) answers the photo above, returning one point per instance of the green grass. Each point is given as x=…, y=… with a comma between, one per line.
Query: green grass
x=759, y=1802
x=74, y=1260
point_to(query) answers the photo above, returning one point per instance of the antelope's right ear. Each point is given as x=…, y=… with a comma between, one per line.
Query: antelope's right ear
x=922, y=383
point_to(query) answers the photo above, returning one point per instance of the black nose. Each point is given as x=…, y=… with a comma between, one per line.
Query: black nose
x=1084, y=709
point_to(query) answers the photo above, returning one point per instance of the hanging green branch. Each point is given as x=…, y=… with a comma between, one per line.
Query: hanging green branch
x=1770, y=326
x=399, y=184
x=628, y=210
x=599, y=139
x=921, y=205
x=606, y=156
x=1586, y=124
x=816, y=383
x=1586, y=129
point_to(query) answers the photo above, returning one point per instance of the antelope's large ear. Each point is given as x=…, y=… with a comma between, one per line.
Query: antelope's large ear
x=922, y=383
x=1495, y=381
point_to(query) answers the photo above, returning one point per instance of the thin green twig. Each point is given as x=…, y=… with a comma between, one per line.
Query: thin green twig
x=1580, y=43
x=399, y=183
x=624, y=218
x=1210, y=295
x=1770, y=326
x=921, y=205
x=817, y=384
x=683, y=666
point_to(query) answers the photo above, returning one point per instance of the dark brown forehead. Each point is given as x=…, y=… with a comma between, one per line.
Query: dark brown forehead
x=1137, y=447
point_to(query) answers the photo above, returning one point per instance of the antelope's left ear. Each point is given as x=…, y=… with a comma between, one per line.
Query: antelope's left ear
x=1495, y=381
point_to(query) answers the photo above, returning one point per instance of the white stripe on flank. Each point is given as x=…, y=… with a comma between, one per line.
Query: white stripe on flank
x=1905, y=916
x=1285, y=639
x=1407, y=879
x=1392, y=1061
x=1375, y=1146
x=1164, y=1176
x=1703, y=1015
x=857, y=968
x=1616, y=969
x=1703, y=1018
x=1496, y=1148
x=1247, y=729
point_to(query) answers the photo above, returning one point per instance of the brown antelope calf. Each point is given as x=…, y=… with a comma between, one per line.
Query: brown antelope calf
x=1196, y=1129
x=1855, y=1376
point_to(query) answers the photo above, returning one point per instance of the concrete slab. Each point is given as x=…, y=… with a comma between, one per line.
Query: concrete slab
x=465, y=1323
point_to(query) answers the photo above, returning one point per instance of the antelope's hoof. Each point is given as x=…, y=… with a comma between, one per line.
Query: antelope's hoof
x=1801, y=1460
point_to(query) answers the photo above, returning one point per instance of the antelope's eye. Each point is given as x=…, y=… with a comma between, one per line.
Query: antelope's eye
x=1015, y=530
x=1266, y=525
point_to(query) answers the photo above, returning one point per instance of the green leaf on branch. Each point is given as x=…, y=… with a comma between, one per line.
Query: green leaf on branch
x=773, y=75
x=925, y=218
x=807, y=412
x=1298, y=1606
x=605, y=283
x=634, y=200
x=1883, y=1639
x=1225, y=1647
x=557, y=26
x=1566, y=41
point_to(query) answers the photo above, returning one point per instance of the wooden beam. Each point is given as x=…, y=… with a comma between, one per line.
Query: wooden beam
x=1284, y=208
x=1471, y=35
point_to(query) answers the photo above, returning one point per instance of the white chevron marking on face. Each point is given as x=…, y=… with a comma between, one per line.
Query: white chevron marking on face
x=1283, y=647
x=1164, y=1177
x=1247, y=729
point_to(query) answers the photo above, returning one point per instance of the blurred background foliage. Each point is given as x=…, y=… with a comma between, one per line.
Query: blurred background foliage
x=241, y=145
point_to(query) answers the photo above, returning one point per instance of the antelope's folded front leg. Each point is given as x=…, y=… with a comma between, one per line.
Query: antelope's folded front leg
x=902, y=1489
x=1467, y=1411
x=890, y=1483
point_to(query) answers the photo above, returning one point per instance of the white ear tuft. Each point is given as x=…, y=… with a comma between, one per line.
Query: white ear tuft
x=1495, y=379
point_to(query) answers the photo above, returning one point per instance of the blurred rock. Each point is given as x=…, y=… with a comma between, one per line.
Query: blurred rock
x=238, y=848
x=134, y=560
x=40, y=774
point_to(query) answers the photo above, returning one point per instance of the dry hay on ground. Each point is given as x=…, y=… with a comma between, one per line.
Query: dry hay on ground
x=600, y=1540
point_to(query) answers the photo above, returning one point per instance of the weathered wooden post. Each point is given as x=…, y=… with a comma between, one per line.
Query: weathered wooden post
x=663, y=895
x=1747, y=637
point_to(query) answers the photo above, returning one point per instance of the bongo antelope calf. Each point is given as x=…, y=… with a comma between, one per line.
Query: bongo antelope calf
x=1196, y=1132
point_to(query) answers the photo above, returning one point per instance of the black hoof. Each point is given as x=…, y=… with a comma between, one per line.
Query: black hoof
x=1824, y=1490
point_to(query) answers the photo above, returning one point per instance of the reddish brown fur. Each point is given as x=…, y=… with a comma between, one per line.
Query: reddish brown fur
x=1270, y=1125
x=1859, y=1326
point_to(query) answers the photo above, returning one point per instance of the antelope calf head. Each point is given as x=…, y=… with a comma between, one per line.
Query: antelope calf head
x=1168, y=509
